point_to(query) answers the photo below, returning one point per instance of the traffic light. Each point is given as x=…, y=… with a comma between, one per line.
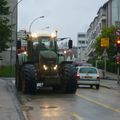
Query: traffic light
x=18, y=44
x=70, y=44
x=117, y=59
x=118, y=45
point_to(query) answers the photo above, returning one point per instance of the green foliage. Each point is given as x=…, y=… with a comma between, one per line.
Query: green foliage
x=5, y=27
x=4, y=9
x=110, y=33
x=7, y=71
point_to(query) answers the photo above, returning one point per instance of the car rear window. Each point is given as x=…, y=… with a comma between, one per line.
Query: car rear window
x=88, y=70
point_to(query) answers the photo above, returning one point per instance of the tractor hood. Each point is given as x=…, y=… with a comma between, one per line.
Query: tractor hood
x=48, y=56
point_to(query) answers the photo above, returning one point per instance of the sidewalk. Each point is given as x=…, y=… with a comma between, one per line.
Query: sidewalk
x=110, y=84
x=108, y=75
x=110, y=81
x=9, y=106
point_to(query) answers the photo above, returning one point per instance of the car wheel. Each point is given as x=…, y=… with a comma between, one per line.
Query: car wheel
x=91, y=86
x=97, y=87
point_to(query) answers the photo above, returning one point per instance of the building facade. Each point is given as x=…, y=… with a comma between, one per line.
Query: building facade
x=107, y=15
x=82, y=45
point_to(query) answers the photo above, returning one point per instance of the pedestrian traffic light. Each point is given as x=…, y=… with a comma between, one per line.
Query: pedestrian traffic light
x=117, y=59
x=118, y=45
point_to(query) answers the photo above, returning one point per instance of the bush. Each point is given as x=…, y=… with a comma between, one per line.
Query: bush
x=7, y=71
x=110, y=66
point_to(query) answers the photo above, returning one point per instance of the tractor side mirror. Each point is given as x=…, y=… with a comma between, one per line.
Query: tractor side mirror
x=18, y=44
x=70, y=44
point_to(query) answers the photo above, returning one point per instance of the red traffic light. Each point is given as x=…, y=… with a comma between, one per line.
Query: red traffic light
x=118, y=41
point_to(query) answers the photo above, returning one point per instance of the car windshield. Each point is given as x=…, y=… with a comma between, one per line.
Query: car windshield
x=88, y=70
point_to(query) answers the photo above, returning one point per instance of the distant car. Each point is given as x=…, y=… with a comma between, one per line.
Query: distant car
x=81, y=64
x=88, y=75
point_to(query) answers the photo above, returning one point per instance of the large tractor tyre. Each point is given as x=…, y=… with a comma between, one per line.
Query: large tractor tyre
x=18, y=82
x=68, y=80
x=56, y=88
x=29, y=79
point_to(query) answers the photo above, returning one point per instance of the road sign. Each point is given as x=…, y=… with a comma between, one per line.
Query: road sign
x=105, y=53
x=105, y=42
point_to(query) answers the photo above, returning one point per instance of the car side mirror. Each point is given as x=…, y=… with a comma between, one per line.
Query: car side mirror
x=70, y=44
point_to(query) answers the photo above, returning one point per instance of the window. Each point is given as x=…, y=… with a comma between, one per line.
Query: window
x=88, y=70
x=81, y=35
x=83, y=42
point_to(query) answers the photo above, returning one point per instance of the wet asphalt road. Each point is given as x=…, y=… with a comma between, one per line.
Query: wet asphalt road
x=86, y=104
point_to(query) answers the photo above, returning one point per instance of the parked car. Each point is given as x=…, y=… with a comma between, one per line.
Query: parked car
x=88, y=75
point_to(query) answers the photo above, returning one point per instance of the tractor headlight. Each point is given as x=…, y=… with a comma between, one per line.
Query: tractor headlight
x=55, y=67
x=45, y=67
x=25, y=53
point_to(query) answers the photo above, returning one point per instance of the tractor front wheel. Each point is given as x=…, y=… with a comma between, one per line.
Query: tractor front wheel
x=68, y=80
x=28, y=79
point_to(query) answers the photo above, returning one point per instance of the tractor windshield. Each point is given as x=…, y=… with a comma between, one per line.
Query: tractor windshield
x=45, y=43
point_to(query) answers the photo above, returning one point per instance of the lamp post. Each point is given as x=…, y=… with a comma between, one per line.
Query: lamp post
x=12, y=30
x=29, y=44
x=33, y=22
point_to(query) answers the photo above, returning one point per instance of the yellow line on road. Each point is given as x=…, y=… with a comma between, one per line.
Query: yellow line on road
x=98, y=103
x=77, y=116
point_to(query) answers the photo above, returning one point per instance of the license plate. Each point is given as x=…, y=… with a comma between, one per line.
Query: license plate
x=88, y=77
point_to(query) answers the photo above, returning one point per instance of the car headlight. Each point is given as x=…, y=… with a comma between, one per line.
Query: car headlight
x=55, y=67
x=45, y=67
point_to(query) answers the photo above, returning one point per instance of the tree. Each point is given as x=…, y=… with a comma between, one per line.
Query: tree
x=5, y=27
x=110, y=33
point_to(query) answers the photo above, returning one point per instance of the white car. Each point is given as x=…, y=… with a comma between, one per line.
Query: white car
x=87, y=75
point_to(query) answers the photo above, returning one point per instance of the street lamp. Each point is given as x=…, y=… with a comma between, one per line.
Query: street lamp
x=33, y=22
x=12, y=30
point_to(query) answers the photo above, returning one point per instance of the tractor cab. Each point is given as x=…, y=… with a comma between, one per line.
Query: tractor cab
x=45, y=43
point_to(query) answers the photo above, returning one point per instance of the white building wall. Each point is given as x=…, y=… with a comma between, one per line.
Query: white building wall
x=82, y=45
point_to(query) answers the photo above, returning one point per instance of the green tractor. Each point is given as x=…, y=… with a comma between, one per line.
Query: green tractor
x=43, y=63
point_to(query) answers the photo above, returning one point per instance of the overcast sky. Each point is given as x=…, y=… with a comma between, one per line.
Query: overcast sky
x=67, y=16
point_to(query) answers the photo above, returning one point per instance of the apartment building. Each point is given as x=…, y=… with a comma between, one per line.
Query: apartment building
x=107, y=15
x=82, y=45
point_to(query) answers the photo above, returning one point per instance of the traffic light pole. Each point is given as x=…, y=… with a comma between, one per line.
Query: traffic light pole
x=105, y=60
x=118, y=54
x=118, y=70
